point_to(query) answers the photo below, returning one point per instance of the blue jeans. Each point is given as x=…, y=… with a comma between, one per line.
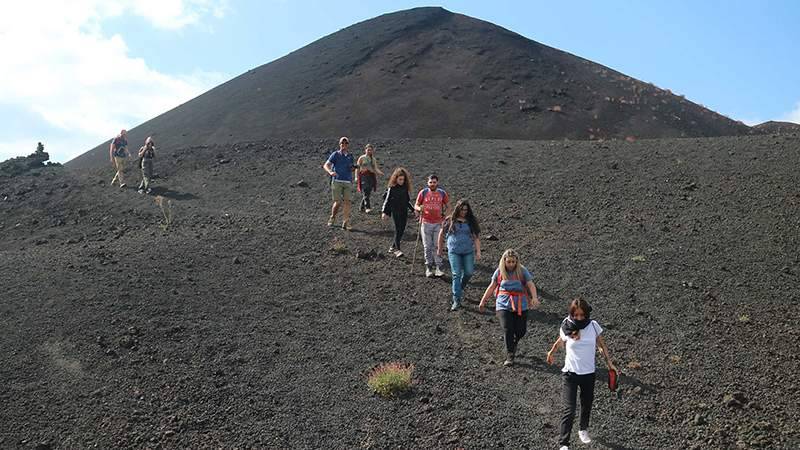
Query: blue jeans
x=462, y=266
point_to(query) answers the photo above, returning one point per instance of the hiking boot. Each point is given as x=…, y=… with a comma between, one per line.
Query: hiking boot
x=330, y=221
x=584, y=436
x=509, y=360
x=346, y=226
x=438, y=272
x=428, y=272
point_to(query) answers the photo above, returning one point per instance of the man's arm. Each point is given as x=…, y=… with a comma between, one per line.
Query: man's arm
x=328, y=167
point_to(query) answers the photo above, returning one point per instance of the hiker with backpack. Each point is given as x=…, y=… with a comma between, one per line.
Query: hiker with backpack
x=146, y=155
x=367, y=180
x=515, y=293
x=462, y=232
x=397, y=203
x=432, y=203
x=582, y=338
x=340, y=166
x=118, y=153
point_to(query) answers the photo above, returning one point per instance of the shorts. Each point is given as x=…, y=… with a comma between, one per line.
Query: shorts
x=341, y=191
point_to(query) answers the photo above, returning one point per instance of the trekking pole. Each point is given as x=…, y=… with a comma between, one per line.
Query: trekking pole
x=416, y=244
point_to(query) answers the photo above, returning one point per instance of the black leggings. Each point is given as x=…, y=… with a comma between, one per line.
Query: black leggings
x=571, y=382
x=400, y=220
x=514, y=327
x=367, y=186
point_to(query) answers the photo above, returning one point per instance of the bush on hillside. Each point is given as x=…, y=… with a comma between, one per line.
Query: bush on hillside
x=391, y=379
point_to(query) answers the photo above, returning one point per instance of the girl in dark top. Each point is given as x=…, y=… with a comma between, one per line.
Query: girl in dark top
x=462, y=233
x=397, y=204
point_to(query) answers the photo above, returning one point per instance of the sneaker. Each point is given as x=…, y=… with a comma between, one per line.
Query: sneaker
x=148, y=191
x=397, y=253
x=428, y=272
x=563, y=447
x=584, y=436
x=392, y=248
x=368, y=210
x=456, y=304
x=438, y=272
x=122, y=186
x=140, y=191
x=347, y=226
x=509, y=360
x=330, y=221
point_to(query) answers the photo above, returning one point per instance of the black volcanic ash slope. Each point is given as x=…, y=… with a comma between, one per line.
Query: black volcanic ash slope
x=428, y=72
x=117, y=334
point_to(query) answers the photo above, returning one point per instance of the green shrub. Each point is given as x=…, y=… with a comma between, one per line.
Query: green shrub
x=339, y=247
x=166, y=211
x=391, y=379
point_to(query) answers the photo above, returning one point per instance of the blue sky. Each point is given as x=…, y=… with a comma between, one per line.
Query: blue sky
x=76, y=73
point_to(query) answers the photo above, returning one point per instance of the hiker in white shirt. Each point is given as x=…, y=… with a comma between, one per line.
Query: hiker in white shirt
x=582, y=338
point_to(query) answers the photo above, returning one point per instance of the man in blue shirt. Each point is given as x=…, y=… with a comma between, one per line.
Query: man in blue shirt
x=340, y=166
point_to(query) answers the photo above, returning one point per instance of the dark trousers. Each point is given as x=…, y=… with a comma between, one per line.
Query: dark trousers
x=571, y=383
x=514, y=327
x=400, y=220
x=368, y=183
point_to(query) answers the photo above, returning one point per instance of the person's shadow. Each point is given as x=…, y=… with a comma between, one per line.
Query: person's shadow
x=172, y=195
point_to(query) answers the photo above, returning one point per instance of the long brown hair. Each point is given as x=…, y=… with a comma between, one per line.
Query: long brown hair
x=397, y=172
x=474, y=227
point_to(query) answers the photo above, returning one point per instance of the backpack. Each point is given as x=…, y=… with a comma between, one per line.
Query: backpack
x=119, y=145
x=524, y=285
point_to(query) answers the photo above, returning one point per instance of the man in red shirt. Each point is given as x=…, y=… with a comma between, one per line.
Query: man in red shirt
x=432, y=204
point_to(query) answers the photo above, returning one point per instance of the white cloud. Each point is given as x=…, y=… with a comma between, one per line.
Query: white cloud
x=793, y=116
x=57, y=63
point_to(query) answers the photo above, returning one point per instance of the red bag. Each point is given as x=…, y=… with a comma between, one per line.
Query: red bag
x=612, y=380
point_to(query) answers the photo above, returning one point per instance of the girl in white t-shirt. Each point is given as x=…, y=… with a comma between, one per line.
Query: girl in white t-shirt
x=582, y=337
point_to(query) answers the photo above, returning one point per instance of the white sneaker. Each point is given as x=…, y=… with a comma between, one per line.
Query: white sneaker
x=563, y=447
x=584, y=436
x=438, y=272
x=428, y=272
x=368, y=210
x=398, y=253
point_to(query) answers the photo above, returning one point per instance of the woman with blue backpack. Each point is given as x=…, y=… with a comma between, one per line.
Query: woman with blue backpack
x=514, y=291
x=462, y=233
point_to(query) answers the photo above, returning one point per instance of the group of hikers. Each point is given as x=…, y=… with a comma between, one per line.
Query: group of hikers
x=119, y=155
x=457, y=231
